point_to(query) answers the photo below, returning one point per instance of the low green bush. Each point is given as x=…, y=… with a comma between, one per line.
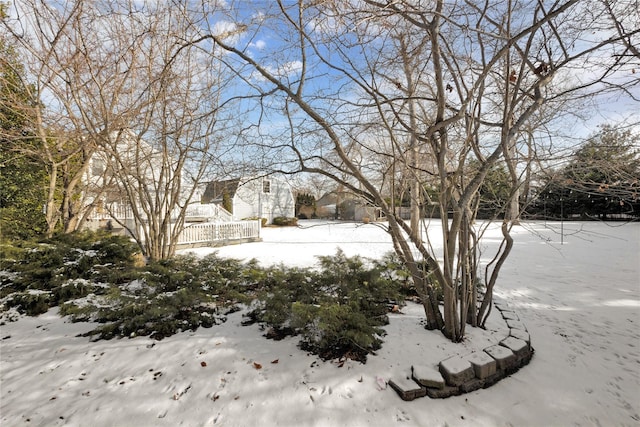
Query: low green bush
x=94, y=277
x=64, y=267
x=283, y=221
x=170, y=296
x=338, y=310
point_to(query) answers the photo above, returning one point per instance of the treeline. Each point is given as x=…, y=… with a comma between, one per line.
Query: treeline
x=599, y=181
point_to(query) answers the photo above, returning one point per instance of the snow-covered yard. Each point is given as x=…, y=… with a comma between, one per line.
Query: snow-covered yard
x=580, y=301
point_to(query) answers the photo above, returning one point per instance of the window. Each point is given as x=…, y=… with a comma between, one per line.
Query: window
x=97, y=167
x=266, y=186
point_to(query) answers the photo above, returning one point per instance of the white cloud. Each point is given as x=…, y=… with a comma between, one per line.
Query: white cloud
x=259, y=44
x=287, y=69
x=229, y=31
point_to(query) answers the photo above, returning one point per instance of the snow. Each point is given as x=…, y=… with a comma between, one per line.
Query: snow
x=580, y=301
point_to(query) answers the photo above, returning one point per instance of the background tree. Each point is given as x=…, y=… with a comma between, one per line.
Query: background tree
x=305, y=205
x=22, y=178
x=433, y=87
x=599, y=180
x=494, y=193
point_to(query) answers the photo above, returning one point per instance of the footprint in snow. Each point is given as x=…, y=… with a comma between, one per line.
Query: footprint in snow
x=402, y=416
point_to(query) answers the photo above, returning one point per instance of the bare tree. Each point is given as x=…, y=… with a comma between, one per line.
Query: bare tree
x=445, y=83
x=120, y=82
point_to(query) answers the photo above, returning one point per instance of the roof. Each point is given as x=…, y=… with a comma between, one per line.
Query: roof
x=215, y=190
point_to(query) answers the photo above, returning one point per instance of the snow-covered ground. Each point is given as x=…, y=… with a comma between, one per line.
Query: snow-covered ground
x=580, y=301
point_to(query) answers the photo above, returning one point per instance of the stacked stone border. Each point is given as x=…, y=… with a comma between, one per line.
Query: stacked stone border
x=463, y=374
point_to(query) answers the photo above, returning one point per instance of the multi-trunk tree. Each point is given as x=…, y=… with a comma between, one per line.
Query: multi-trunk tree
x=438, y=93
x=425, y=98
x=120, y=85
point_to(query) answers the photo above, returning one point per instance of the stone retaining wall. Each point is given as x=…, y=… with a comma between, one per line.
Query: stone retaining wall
x=481, y=369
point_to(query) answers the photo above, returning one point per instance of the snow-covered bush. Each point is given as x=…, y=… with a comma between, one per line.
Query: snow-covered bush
x=174, y=295
x=337, y=310
x=62, y=268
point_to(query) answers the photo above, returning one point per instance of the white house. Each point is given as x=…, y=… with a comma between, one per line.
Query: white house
x=253, y=197
x=131, y=162
x=135, y=185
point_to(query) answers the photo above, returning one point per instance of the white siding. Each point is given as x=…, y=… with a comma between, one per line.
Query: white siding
x=250, y=199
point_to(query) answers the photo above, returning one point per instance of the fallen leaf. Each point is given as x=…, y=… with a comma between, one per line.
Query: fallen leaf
x=203, y=364
x=257, y=365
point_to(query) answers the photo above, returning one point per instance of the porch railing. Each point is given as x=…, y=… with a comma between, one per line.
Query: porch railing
x=195, y=211
x=212, y=233
x=115, y=211
x=211, y=211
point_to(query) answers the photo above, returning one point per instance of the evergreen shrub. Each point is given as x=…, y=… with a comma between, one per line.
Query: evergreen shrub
x=63, y=267
x=170, y=296
x=284, y=221
x=338, y=310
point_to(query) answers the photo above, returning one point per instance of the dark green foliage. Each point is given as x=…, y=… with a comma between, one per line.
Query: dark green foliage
x=22, y=178
x=64, y=267
x=335, y=330
x=305, y=199
x=92, y=276
x=170, y=296
x=305, y=206
x=279, y=288
x=393, y=270
x=32, y=303
x=338, y=310
x=600, y=180
x=227, y=201
x=284, y=221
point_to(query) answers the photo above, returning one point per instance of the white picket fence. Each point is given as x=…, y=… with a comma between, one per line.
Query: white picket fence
x=205, y=225
x=217, y=233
